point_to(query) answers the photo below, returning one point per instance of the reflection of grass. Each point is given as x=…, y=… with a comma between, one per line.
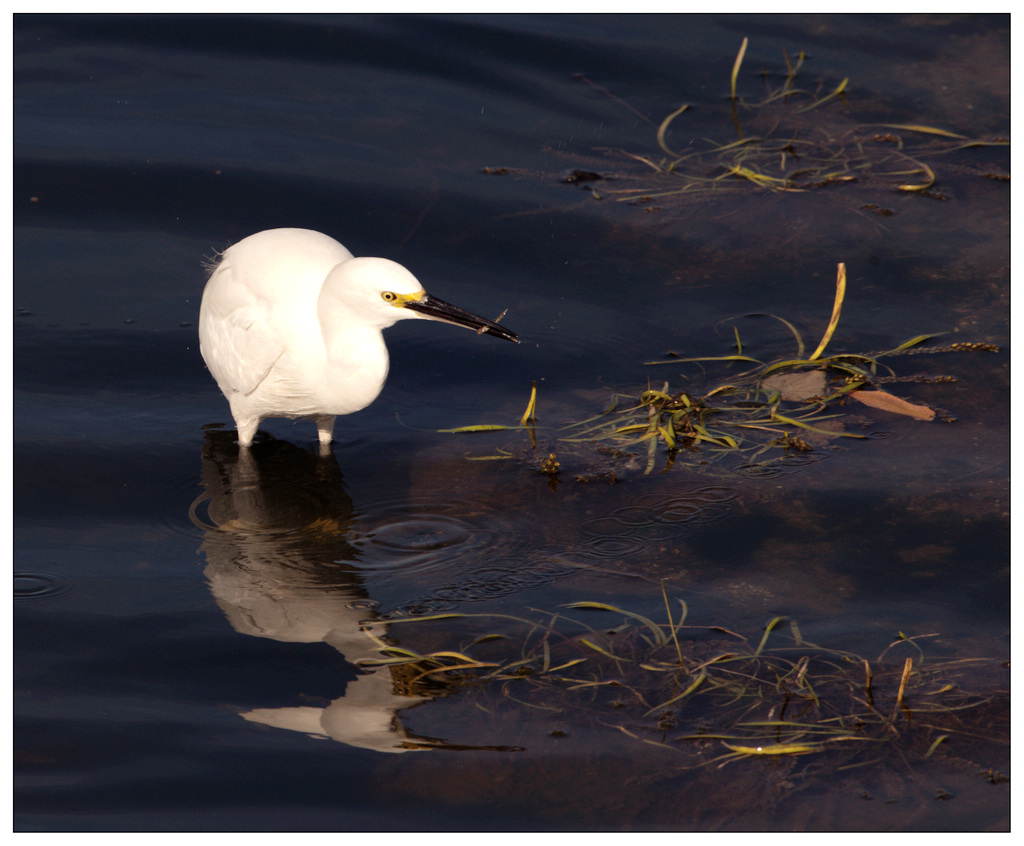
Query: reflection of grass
x=776, y=404
x=792, y=154
x=712, y=693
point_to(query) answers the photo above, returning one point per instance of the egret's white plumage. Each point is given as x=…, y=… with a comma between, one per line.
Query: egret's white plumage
x=290, y=326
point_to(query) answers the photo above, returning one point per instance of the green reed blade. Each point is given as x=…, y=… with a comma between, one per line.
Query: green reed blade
x=736, y=69
x=530, y=415
x=767, y=631
x=837, y=307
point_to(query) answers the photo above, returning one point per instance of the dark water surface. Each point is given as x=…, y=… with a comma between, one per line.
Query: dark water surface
x=188, y=620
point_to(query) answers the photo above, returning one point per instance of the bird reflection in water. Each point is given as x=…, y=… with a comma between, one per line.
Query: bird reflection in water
x=276, y=522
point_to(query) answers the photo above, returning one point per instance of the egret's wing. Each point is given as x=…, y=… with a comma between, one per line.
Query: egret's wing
x=237, y=334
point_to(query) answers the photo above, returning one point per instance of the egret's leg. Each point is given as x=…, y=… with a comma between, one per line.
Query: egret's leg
x=246, y=432
x=245, y=424
x=325, y=428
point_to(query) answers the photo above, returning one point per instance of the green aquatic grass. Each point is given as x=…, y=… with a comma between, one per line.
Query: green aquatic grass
x=736, y=68
x=683, y=420
x=772, y=695
x=772, y=406
x=793, y=155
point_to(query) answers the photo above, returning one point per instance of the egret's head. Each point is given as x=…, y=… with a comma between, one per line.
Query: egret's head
x=370, y=291
x=381, y=292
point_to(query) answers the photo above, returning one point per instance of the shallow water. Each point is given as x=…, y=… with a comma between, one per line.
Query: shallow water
x=177, y=603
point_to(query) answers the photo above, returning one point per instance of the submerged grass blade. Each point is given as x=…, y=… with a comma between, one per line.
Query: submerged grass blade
x=790, y=364
x=760, y=179
x=929, y=178
x=705, y=358
x=659, y=635
x=567, y=664
x=791, y=422
x=737, y=145
x=801, y=728
x=927, y=130
x=664, y=128
x=935, y=745
x=651, y=457
x=774, y=749
x=451, y=616
x=852, y=370
x=838, y=92
x=672, y=626
x=913, y=342
x=597, y=648
x=702, y=434
x=667, y=435
x=481, y=427
x=788, y=325
x=458, y=656
x=697, y=682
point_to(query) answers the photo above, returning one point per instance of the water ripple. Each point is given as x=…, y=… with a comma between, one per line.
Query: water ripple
x=783, y=466
x=466, y=551
x=492, y=577
x=429, y=533
x=614, y=546
x=36, y=584
x=701, y=504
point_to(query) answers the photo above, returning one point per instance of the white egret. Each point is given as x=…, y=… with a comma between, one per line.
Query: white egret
x=290, y=326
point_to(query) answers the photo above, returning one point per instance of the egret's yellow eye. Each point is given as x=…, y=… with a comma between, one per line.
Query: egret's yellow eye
x=389, y=296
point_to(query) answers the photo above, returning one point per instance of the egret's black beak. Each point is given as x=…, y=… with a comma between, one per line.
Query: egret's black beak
x=437, y=309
